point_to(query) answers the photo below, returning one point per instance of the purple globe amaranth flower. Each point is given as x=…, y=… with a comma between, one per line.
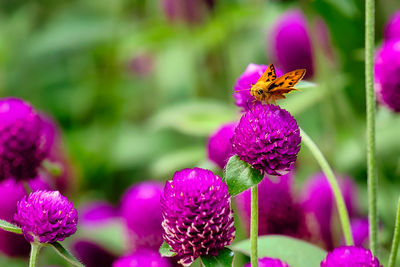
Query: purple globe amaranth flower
x=318, y=201
x=198, y=219
x=220, y=146
x=277, y=211
x=191, y=11
x=290, y=44
x=93, y=255
x=387, y=74
x=142, y=258
x=22, y=144
x=269, y=262
x=11, y=191
x=250, y=76
x=360, y=231
x=46, y=217
x=267, y=138
x=350, y=256
x=96, y=212
x=392, y=28
x=141, y=210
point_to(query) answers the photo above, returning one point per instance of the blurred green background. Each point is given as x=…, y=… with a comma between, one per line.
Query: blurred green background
x=137, y=95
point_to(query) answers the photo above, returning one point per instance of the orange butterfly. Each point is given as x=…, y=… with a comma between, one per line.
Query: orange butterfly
x=269, y=88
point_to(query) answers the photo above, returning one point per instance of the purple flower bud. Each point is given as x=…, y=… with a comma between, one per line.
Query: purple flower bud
x=290, y=44
x=387, y=80
x=277, y=211
x=14, y=245
x=142, y=258
x=22, y=146
x=242, y=87
x=269, y=262
x=46, y=217
x=220, y=146
x=350, y=256
x=268, y=138
x=392, y=28
x=190, y=11
x=360, y=230
x=198, y=219
x=92, y=255
x=318, y=201
x=141, y=211
x=96, y=212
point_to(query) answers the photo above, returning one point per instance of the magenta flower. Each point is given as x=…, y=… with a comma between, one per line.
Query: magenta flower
x=387, y=80
x=93, y=255
x=22, y=146
x=277, y=211
x=141, y=211
x=267, y=138
x=360, y=230
x=96, y=213
x=392, y=28
x=220, y=146
x=198, y=219
x=290, y=44
x=46, y=217
x=350, y=256
x=142, y=258
x=269, y=262
x=250, y=76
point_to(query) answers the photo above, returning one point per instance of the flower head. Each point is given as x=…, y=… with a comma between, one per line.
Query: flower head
x=141, y=211
x=198, y=219
x=392, y=28
x=277, y=211
x=92, y=255
x=387, y=78
x=269, y=262
x=350, y=256
x=291, y=28
x=22, y=146
x=242, y=87
x=46, y=217
x=142, y=258
x=360, y=231
x=220, y=146
x=267, y=138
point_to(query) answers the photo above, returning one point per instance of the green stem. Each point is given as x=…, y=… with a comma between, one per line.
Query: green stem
x=370, y=98
x=396, y=238
x=27, y=187
x=323, y=163
x=254, y=226
x=35, y=247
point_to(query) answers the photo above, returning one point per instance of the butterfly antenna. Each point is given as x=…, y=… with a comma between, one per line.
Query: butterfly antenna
x=242, y=90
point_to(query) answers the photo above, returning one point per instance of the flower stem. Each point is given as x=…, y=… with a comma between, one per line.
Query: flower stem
x=35, y=247
x=323, y=163
x=254, y=226
x=370, y=98
x=396, y=238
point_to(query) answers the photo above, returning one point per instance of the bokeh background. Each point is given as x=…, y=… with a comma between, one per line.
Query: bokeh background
x=138, y=86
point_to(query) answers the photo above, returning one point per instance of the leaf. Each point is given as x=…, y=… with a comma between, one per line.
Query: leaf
x=65, y=254
x=224, y=259
x=295, y=252
x=166, y=251
x=240, y=176
x=10, y=227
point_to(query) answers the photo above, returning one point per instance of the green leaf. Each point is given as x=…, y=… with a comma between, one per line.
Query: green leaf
x=240, y=176
x=166, y=251
x=65, y=254
x=224, y=259
x=295, y=252
x=10, y=227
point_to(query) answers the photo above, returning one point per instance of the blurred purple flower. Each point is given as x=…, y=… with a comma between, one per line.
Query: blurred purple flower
x=96, y=212
x=92, y=255
x=14, y=245
x=269, y=262
x=22, y=144
x=242, y=87
x=387, y=78
x=141, y=211
x=198, y=219
x=277, y=211
x=190, y=11
x=318, y=201
x=219, y=144
x=392, y=28
x=142, y=64
x=267, y=138
x=350, y=256
x=290, y=44
x=142, y=258
x=360, y=230
x=46, y=216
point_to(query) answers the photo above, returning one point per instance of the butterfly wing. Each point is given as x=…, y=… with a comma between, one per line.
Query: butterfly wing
x=287, y=81
x=269, y=74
